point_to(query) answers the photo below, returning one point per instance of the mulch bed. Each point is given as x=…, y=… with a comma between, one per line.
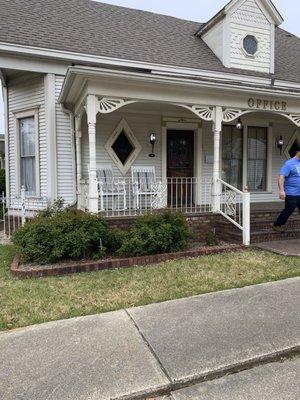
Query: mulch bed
x=32, y=270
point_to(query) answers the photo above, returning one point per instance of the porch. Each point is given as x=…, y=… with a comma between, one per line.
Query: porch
x=148, y=143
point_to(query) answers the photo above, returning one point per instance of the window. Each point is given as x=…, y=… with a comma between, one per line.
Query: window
x=232, y=156
x=250, y=45
x=122, y=146
x=27, y=152
x=245, y=159
x=257, y=158
x=293, y=144
x=27, y=155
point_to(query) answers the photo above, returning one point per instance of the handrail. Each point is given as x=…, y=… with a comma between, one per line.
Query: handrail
x=234, y=205
x=231, y=187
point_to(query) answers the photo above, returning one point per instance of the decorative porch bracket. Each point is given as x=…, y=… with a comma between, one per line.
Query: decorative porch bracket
x=205, y=113
x=231, y=114
x=108, y=105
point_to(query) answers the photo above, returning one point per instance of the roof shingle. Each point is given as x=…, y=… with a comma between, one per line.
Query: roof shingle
x=89, y=27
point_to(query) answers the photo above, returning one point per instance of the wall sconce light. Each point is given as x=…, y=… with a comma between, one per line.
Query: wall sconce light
x=152, y=142
x=239, y=124
x=279, y=144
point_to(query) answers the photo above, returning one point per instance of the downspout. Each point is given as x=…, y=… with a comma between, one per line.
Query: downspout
x=72, y=123
x=6, y=137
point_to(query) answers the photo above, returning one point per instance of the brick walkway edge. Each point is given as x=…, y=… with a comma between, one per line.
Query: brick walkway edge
x=22, y=271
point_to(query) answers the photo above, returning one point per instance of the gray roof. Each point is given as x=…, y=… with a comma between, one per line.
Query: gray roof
x=90, y=27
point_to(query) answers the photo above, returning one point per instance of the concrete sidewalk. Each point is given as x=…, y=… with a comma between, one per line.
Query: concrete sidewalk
x=284, y=247
x=150, y=350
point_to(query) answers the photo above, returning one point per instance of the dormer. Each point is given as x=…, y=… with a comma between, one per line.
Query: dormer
x=242, y=35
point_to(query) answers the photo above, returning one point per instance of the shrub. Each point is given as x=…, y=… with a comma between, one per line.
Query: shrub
x=2, y=181
x=211, y=238
x=153, y=234
x=57, y=234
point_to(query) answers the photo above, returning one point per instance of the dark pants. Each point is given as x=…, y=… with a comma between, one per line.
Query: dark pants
x=291, y=203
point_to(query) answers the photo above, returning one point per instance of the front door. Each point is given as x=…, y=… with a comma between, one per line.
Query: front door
x=180, y=167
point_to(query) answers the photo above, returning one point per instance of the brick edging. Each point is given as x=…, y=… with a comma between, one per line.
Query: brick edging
x=20, y=271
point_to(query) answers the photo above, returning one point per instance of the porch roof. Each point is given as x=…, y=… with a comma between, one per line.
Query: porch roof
x=93, y=28
x=115, y=89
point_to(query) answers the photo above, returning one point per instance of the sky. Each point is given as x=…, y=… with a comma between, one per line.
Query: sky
x=198, y=10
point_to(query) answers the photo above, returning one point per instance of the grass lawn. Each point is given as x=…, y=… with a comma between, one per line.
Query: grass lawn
x=32, y=301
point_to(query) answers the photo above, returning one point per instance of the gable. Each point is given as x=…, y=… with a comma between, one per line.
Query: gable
x=249, y=19
x=240, y=21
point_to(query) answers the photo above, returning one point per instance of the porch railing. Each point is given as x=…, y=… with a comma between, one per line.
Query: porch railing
x=126, y=197
x=234, y=205
x=14, y=213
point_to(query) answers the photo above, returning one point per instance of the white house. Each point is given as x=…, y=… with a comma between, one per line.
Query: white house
x=85, y=85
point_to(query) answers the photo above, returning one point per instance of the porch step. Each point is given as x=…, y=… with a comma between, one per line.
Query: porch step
x=267, y=225
x=261, y=229
x=268, y=236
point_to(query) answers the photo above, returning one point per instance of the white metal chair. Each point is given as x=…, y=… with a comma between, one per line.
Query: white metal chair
x=110, y=188
x=144, y=184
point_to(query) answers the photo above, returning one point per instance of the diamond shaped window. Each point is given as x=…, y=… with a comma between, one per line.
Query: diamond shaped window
x=293, y=144
x=122, y=146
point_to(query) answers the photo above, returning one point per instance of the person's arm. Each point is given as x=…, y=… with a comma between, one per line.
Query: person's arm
x=281, y=181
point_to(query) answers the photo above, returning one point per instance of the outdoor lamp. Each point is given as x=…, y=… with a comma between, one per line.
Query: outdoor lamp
x=239, y=124
x=152, y=142
x=279, y=144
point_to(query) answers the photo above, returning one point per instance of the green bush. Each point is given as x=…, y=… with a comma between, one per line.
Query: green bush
x=2, y=181
x=57, y=235
x=211, y=238
x=153, y=234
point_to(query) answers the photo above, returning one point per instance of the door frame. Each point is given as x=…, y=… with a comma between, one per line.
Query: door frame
x=191, y=125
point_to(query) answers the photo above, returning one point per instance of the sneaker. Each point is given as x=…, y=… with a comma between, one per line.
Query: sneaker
x=277, y=228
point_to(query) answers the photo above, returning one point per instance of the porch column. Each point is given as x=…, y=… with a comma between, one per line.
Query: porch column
x=217, y=130
x=78, y=137
x=91, y=110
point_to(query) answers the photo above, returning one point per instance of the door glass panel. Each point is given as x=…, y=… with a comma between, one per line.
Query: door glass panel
x=232, y=156
x=257, y=158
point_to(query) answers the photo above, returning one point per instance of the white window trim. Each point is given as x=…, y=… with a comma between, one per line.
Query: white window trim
x=248, y=55
x=32, y=112
x=123, y=125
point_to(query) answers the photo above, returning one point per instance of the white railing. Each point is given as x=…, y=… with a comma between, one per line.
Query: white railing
x=14, y=214
x=235, y=206
x=125, y=197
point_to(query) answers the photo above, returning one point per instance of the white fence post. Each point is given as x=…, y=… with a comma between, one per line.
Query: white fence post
x=23, y=206
x=246, y=217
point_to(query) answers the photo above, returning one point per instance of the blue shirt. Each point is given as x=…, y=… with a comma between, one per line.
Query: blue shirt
x=291, y=171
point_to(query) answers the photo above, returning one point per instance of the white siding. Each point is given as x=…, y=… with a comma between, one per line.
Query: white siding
x=27, y=95
x=214, y=39
x=66, y=183
x=141, y=126
x=250, y=19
